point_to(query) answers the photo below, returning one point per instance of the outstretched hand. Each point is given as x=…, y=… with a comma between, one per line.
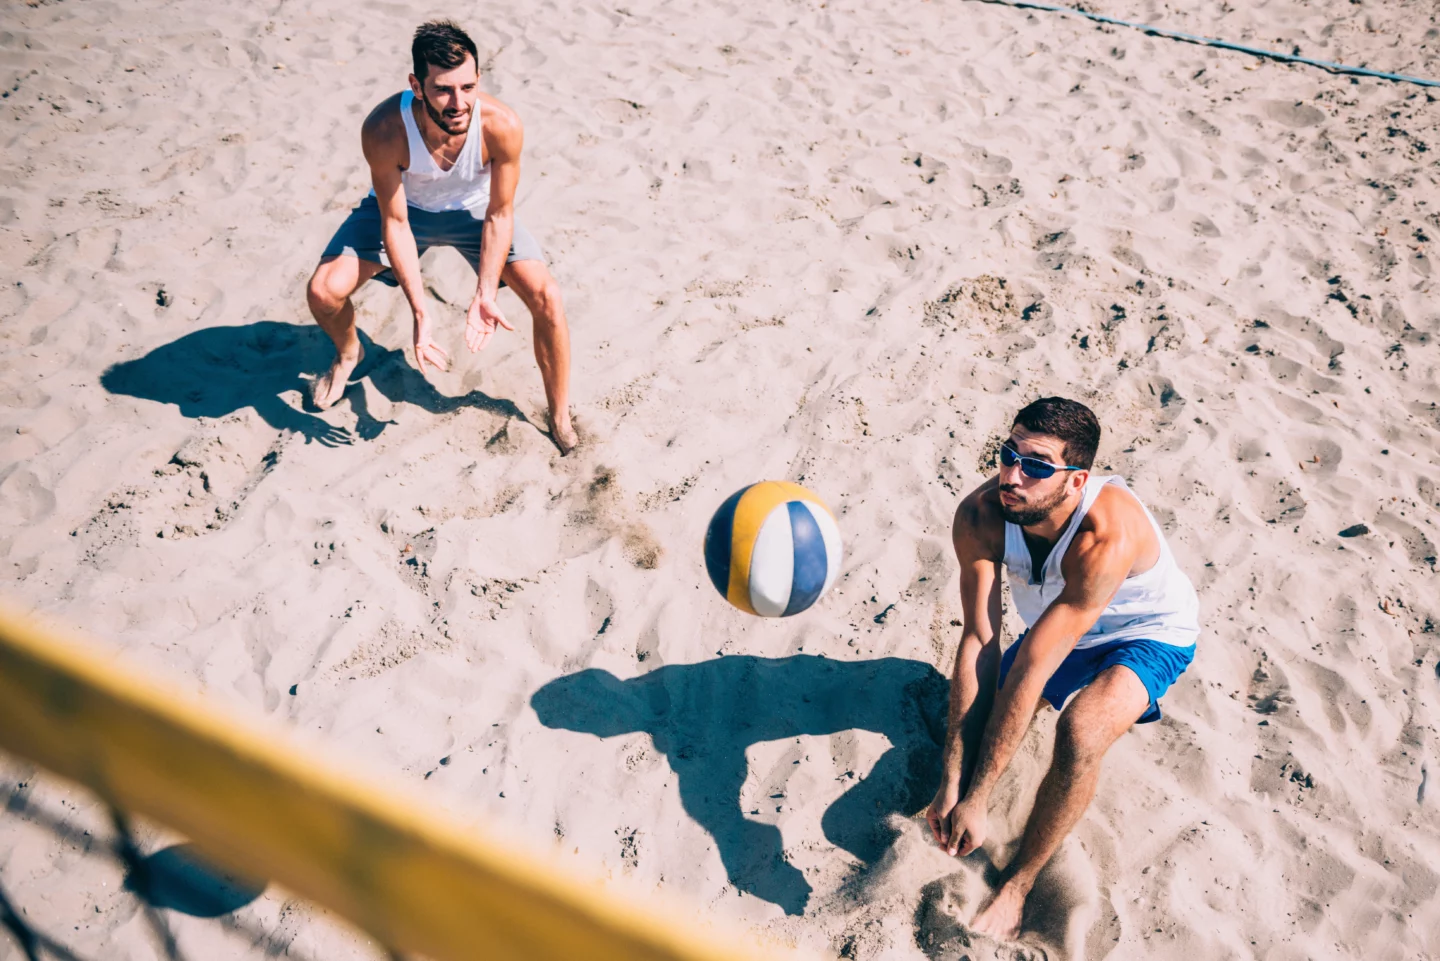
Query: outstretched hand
x=480, y=322
x=426, y=350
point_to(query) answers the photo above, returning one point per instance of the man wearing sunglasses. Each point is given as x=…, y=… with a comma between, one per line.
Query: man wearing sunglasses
x=1111, y=622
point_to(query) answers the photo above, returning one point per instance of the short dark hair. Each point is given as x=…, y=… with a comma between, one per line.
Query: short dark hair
x=440, y=43
x=1069, y=420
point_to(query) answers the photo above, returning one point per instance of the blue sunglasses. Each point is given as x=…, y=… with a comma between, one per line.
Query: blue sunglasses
x=1030, y=466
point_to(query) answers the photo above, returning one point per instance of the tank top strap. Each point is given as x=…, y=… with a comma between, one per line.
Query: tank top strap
x=1093, y=487
x=473, y=153
x=420, y=159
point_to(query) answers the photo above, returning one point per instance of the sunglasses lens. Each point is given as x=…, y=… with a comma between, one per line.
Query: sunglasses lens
x=1029, y=466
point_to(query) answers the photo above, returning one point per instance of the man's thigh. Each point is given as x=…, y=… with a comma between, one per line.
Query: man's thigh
x=359, y=236
x=532, y=282
x=1104, y=709
x=466, y=233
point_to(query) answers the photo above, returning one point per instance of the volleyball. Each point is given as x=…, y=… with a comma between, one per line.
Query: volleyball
x=772, y=549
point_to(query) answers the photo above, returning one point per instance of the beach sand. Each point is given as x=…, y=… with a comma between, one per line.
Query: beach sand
x=836, y=243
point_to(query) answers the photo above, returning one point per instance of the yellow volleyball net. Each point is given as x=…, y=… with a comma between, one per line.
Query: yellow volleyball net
x=394, y=865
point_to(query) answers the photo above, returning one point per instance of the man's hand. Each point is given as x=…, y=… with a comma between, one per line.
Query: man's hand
x=480, y=322
x=938, y=817
x=961, y=827
x=426, y=350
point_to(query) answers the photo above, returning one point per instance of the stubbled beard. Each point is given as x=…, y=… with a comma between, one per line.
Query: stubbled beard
x=442, y=122
x=1032, y=514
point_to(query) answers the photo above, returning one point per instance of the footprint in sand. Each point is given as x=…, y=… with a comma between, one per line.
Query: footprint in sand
x=606, y=513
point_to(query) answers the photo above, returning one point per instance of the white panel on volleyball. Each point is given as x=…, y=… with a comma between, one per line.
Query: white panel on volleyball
x=833, y=551
x=772, y=564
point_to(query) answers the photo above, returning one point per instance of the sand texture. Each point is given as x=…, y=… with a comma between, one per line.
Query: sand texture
x=836, y=243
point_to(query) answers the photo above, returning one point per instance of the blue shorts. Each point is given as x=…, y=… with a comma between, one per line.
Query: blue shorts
x=1156, y=664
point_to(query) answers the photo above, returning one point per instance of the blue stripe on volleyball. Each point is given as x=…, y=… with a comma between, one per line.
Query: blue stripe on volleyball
x=810, y=563
x=717, y=543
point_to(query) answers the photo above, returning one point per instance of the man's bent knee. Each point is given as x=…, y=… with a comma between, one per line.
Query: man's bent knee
x=546, y=304
x=1078, y=743
x=533, y=284
x=322, y=298
x=331, y=285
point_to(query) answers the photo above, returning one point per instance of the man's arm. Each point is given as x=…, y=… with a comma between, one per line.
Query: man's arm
x=386, y=154
x=1096, y=565
x=977, y=663
x=505, y=138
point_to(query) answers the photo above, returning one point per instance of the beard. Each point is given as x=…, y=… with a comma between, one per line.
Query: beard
x=451, y=124
x=1028, y=515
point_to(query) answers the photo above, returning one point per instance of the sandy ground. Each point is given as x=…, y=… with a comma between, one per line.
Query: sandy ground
x=838, y=243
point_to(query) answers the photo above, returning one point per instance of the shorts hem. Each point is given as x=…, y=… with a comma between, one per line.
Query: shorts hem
x=1156, y=664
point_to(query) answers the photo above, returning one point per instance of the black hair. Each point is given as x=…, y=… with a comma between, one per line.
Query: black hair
x=440, y=43
x=1069, y=420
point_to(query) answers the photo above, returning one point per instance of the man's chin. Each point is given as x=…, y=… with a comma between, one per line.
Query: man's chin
x=1023, y=516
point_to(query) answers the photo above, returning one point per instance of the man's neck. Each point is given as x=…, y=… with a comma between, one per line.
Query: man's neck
x=1050, y=528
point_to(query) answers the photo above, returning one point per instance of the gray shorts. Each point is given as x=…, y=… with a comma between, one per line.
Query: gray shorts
x=359, y=236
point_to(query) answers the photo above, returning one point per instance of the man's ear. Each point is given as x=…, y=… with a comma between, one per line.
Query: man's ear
x=416, y=88
x=1080, y=478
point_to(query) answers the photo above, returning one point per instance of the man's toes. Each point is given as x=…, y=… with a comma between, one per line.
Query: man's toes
x=1000, y=918
x=326, y=395
x=330, y=386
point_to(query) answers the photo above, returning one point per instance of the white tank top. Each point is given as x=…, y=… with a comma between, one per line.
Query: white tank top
x=1158, y=605
x=465, y=186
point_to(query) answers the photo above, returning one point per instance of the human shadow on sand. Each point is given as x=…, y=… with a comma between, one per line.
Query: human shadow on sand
x=220, y=370
x=703, y=717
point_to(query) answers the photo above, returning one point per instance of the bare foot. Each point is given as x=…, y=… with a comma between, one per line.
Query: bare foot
x=563, y=434
x=330, y=387
x=1000, y=919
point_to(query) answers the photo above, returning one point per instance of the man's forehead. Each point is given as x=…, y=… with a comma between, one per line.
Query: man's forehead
x=459, y=76
x=1038, y=445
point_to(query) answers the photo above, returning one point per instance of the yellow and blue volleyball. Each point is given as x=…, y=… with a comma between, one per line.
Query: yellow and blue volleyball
x=772, y=549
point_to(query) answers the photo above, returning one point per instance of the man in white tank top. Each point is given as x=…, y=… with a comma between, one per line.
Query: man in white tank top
x=1111, y=623
x=445, y=160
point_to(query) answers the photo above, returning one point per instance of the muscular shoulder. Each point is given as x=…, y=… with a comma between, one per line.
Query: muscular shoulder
x=1116, y=512
x=1114, y=534
x=382, y=135
x=504, y=134
x=979, y=530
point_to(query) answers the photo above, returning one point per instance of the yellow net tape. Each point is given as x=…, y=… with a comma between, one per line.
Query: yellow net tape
x=395, y=865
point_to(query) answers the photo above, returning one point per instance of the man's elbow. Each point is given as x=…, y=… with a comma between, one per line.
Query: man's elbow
x=973, y=645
